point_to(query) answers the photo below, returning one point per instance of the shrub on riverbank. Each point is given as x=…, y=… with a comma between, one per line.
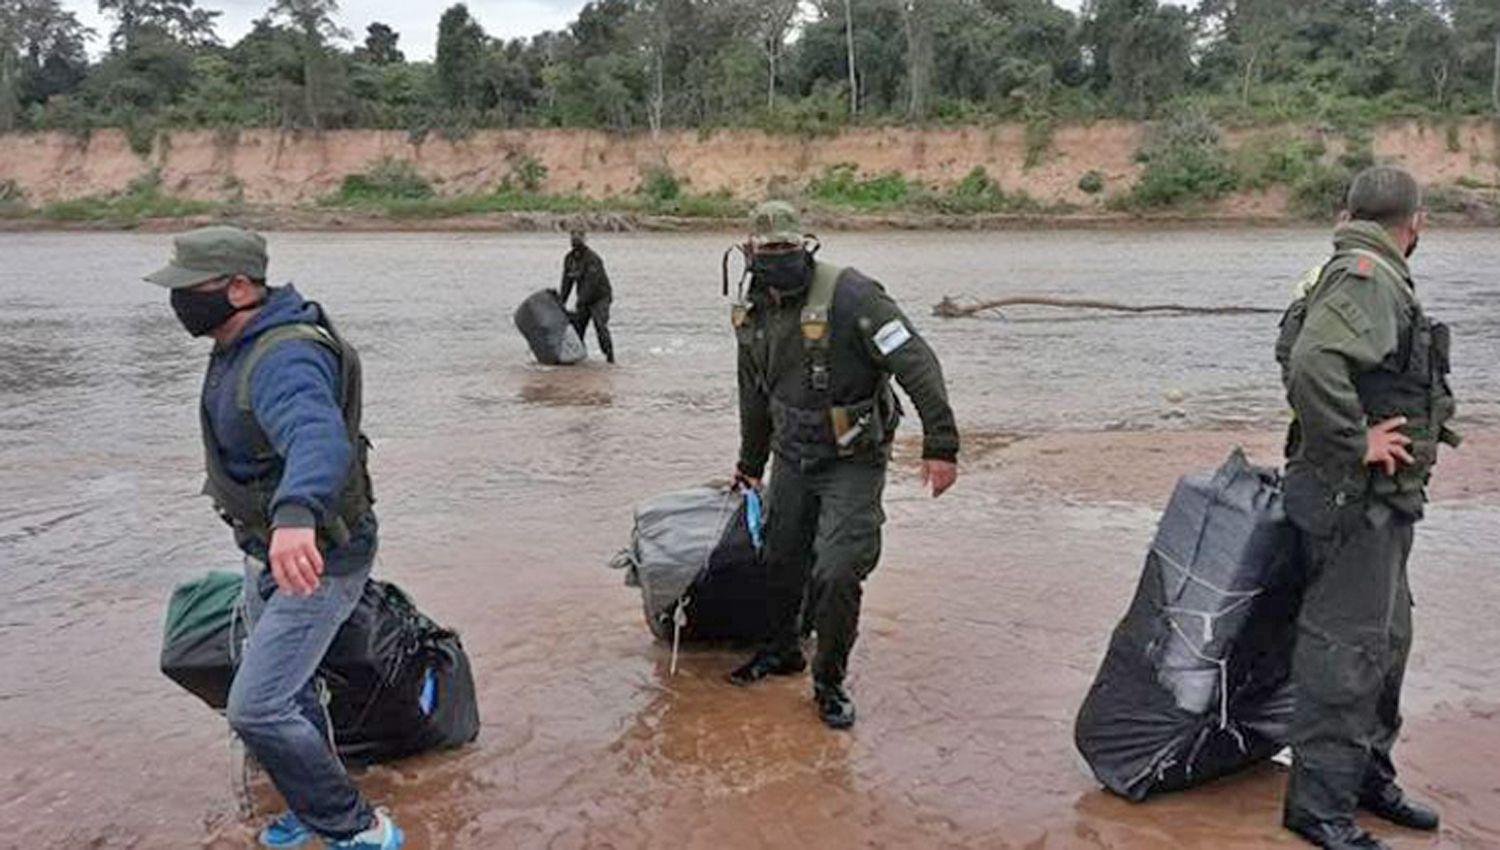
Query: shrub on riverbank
x=508, y=199
x=143, y=199
x=842, y=186
x=979, y=194
x=1185, y=163
x=387, y=181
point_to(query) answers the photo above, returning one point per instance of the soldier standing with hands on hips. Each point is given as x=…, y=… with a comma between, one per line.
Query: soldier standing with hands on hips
x=1366, y=373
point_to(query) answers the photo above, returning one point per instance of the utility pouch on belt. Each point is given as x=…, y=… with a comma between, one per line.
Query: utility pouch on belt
x=855, y=427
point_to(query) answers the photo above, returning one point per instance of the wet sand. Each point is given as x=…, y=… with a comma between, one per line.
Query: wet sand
x=983, y=628
x=505, y=488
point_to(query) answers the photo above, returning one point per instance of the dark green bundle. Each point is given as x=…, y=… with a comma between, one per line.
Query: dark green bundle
x=205, y=623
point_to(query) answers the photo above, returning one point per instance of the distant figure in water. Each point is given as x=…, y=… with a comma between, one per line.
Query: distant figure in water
x=583, y=268
x=286, y=469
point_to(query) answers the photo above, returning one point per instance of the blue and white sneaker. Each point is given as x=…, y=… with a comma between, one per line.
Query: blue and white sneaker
x=285, y=832
x=382, y=835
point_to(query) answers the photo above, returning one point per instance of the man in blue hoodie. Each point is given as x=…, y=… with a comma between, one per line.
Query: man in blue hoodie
x=286, y=469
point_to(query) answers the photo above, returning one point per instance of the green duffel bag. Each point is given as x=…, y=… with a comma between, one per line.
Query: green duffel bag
x=204, y=629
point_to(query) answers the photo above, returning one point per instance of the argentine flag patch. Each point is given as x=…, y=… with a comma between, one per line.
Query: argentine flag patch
x=891, y=336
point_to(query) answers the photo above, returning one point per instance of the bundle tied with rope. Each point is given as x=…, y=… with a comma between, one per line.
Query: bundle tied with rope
x=1196, y=681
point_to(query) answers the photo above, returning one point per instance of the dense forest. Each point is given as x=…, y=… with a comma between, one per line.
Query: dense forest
x=781, y=65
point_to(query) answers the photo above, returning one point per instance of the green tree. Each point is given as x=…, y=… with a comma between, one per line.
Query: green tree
x=1253, y=35
x=919, y=19
x=1429, y=49
x=268, y=68
x=460, y=59
x=41, y=55
x=1477, y=23
x=600, y=29
x=179, y=20
x=820, y=57
x=1142, y=51
x=380, y=47
x=314, y=21
x=772, y=21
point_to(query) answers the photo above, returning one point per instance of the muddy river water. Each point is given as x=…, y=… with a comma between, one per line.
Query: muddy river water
x=505, y=487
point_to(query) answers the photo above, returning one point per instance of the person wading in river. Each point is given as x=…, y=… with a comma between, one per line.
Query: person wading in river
x=584, y=269
x=818, y=345
x=280, y=412
x=1366, y=374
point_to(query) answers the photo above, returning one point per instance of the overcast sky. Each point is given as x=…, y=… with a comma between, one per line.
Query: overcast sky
x=416, y=20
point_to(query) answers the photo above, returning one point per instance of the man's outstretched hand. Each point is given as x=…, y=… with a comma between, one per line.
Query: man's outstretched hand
x=296, y=563
x=939, y=475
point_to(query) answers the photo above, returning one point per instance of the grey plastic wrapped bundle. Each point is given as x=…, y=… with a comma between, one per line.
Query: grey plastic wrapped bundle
x=696, y=562
x=1196, y=682
x=543, y=321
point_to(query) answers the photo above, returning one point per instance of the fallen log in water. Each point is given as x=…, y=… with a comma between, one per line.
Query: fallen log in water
x=950, y=309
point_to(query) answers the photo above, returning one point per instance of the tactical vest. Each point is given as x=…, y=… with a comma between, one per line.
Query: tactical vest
x=1412, y=382
x=827, y=431
x=246, y=506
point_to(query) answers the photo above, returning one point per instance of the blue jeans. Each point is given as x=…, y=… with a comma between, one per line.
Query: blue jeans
x=273, y=703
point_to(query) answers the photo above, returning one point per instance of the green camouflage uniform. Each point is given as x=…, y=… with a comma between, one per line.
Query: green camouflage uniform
x=1359, y=350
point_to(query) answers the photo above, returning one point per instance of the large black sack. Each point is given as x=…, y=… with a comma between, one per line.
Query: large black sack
x=545, y=324
x=693, y=557
x=399, y=684
x=728, y=599
x=1196, y=682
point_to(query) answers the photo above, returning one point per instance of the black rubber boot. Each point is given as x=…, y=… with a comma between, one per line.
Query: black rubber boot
x=835, y=705
x=1338, y=835
x=1392, y=804
x=768, y=662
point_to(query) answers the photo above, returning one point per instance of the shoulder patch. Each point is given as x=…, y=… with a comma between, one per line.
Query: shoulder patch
x=1363, y=267
x=891, y=336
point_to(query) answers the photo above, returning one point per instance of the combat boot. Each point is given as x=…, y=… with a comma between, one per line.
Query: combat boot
x=768, y=662
x=1392, y=804
x=835, y=705
x=1338, y=835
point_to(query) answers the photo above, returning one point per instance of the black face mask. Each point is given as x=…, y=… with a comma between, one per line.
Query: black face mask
x=201, y=312
x=782, y=271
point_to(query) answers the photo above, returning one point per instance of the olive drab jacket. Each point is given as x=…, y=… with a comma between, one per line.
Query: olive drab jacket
x=1356, y=351
x=812, y=400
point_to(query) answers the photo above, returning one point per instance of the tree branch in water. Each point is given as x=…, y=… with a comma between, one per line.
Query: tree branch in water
x=950, y=309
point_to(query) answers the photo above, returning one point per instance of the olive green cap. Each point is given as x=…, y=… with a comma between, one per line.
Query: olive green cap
x=776, y=223
x=199, y=256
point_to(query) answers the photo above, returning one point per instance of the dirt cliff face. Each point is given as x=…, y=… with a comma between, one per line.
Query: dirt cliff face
x=279, y=169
